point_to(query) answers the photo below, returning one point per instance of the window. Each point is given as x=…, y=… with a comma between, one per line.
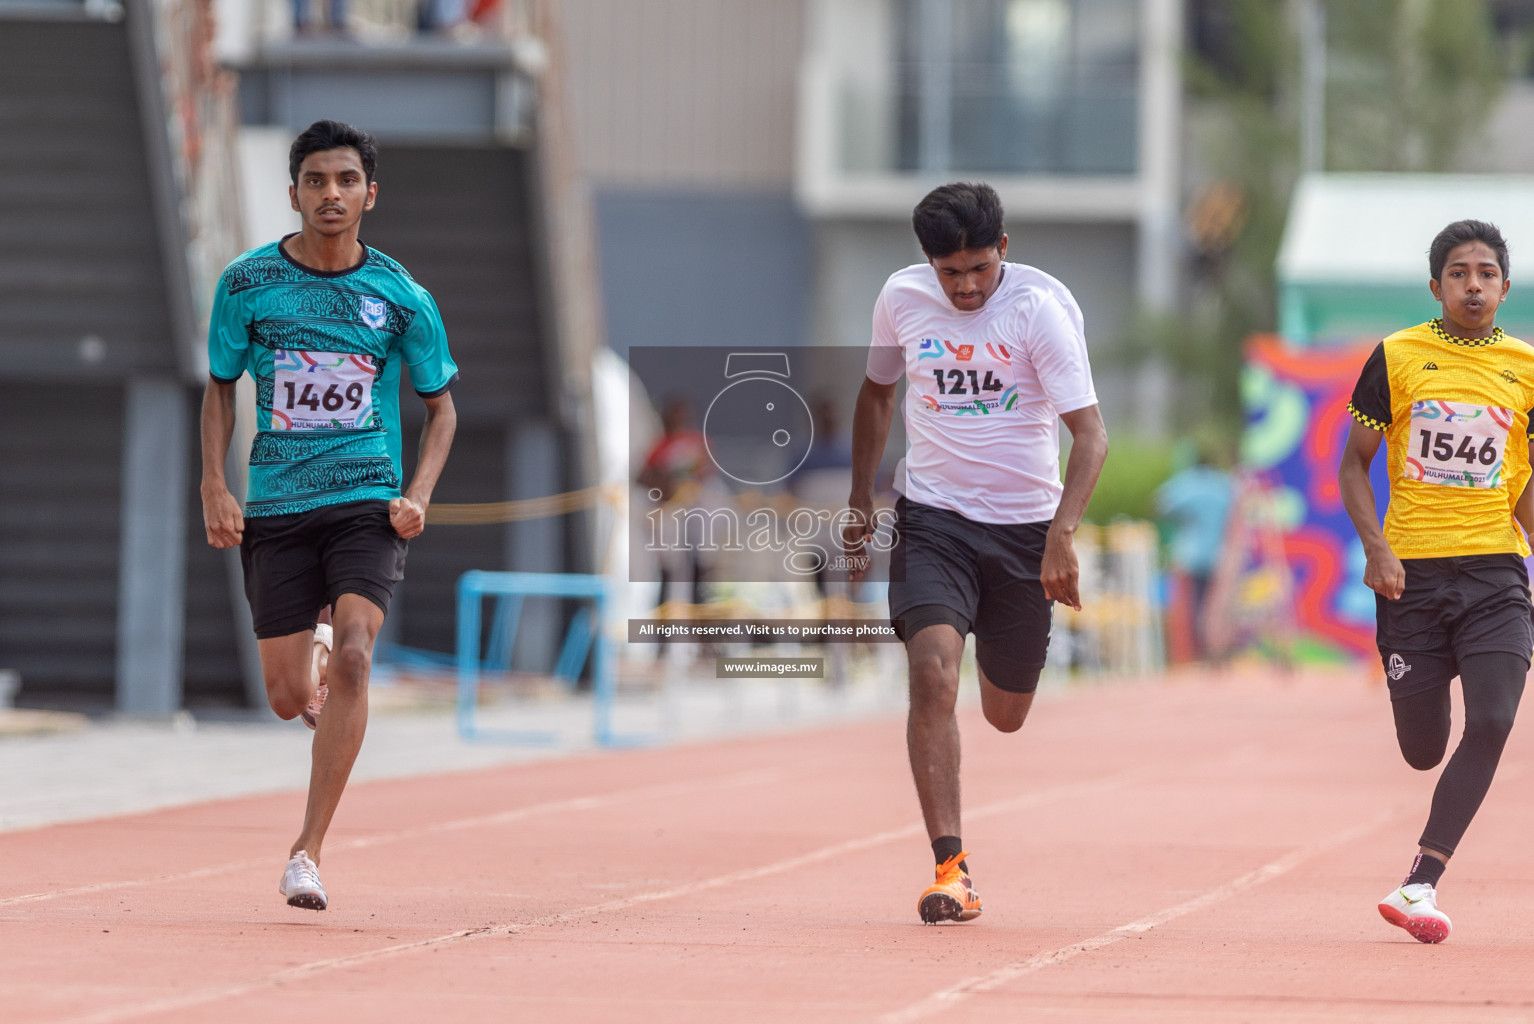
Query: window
x=1016, y=86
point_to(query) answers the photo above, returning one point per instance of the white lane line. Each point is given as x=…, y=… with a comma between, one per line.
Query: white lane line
x=580, y=803
x=205, y=996
x=1080, y=789
x=181, y=1002
x=948, y=998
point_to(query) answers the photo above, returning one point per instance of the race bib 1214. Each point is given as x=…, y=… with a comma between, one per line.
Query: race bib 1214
x=963, y=380
x=1457, y=444
x=322, y=390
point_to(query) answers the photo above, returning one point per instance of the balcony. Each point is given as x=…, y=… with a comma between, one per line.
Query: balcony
x=448, y=71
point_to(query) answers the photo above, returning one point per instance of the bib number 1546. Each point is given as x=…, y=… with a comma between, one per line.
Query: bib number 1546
x=1457, y=444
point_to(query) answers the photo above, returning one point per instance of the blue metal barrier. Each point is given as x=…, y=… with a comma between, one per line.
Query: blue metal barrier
x=584, y=637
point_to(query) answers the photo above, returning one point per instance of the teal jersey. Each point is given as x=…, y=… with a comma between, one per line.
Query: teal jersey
x=325, y=350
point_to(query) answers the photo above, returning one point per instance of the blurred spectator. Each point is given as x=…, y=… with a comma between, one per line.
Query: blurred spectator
x=314, y=17
x=675, y=466
x=824, y=479
x=1195, y=504
x=831, y=449
x=395, y=20
x=679, y=456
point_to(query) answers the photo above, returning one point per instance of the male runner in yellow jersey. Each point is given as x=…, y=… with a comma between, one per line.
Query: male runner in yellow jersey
x=1451, y=399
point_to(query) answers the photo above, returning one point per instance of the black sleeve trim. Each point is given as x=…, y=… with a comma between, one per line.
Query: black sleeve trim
x=444, y=389
x=1371, y=395
x=224, y=380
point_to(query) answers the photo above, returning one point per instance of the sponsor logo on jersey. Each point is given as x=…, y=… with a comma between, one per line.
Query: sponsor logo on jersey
x=375, y=312
x=1430, y=366
x=1398, y=667
x=1509, y=376
x=963, y=353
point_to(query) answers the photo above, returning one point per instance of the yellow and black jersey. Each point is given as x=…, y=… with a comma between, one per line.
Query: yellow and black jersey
x=1455, y=413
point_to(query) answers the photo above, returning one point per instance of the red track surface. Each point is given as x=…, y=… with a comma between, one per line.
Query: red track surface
x=1179, y=851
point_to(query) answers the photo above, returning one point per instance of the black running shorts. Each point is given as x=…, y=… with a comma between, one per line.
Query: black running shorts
x=297, y=564
x=1452, y=607
x=977, y=577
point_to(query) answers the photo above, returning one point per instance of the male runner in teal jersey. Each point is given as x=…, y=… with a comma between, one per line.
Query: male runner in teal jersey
x=322, y=323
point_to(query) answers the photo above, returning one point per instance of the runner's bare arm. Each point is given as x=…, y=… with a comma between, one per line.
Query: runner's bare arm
x=1089, y=450
x=1384, y=573
x=408, y=513
x=870, y=429
x=221, y=515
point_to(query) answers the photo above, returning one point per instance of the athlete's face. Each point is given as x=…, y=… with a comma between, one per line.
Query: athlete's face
x=970, y=276
x=1471, y=289
x=332, y=191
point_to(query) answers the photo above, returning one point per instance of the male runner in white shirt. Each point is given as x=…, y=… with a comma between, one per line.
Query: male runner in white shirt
x=994, y=355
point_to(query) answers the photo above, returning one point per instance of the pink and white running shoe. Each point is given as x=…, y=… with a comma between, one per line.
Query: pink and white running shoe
x=324, y=637
x=1415, y=908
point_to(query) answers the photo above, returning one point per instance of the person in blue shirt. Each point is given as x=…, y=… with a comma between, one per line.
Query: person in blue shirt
x=1197, y=502
x=324, y=325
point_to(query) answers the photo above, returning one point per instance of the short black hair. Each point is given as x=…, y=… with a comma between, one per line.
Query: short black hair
x=957, y=216
x=323, y=135
x=1457, y=234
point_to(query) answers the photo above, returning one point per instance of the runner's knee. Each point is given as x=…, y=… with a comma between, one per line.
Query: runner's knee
x=285, y=702
x=350, y=663
x=1422, y=727
x=934, y=685
x=1006, y=707
x=287, y=687
x=1423, y=756
x=1493, y=685
x=1005, y=717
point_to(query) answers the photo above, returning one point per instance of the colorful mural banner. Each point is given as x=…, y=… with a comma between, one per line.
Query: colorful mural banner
x=1296, y=422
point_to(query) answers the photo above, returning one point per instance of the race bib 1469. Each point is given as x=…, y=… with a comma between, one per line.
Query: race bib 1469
x=322, y=391
x=1457, y=444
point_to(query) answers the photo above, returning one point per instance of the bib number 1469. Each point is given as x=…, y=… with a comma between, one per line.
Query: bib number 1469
x=322, y=390
x=333, y=400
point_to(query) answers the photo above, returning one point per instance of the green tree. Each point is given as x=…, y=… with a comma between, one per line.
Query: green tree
x=1409, y=83
x=1409, y=86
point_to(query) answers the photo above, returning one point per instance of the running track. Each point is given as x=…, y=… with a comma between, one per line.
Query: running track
x=1186, y=850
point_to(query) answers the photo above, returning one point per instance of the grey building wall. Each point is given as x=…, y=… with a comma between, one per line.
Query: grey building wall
x=699, y=93
x=704, y=268
x=683, y=116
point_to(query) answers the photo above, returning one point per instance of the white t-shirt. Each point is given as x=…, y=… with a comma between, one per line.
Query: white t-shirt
x=986, y=390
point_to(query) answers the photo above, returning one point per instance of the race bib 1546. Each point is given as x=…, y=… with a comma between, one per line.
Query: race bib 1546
x=1457, y=444
x=322, y=391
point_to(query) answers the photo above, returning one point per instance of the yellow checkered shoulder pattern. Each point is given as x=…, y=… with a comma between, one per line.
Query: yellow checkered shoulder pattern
x=1455, y=415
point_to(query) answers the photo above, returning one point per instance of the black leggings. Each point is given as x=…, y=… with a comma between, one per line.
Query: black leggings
x=1493, y=683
